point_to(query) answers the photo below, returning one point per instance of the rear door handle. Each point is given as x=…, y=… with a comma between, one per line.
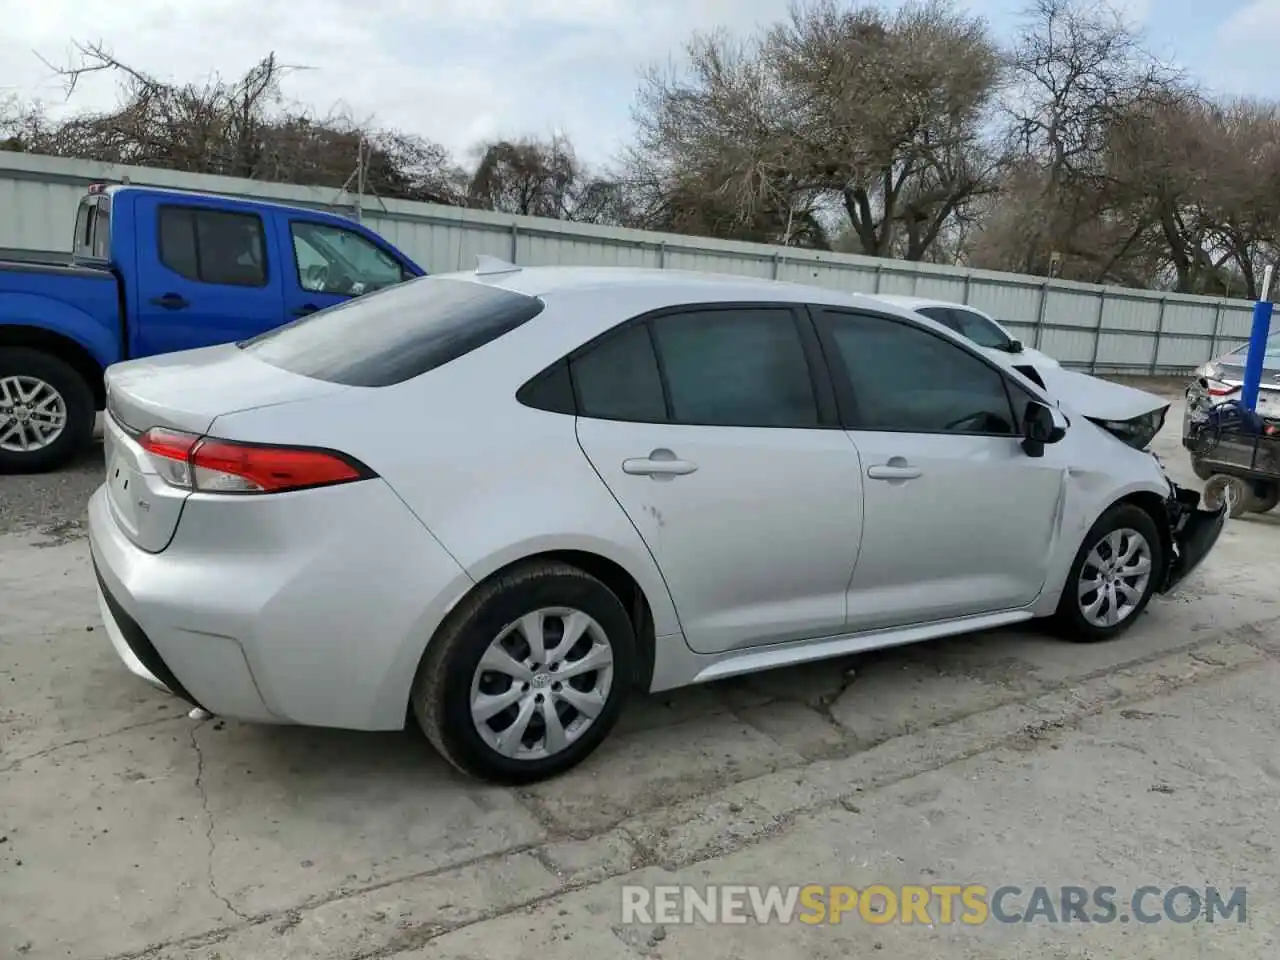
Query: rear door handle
x=659, y=464
x=893, y=471
x=170, y=301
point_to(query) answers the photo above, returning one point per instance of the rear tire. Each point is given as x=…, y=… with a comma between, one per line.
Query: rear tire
x=1235, y=492
x=1122, y=591
x=46, y=411
x=544, y=725
x=1266, y=496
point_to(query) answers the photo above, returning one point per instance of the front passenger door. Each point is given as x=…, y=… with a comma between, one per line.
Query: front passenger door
x=710, y=431
x=959, y=520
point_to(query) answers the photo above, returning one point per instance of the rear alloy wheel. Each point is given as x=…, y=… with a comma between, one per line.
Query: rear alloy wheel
x=1235, y=492
x=528, y=676
x=1113, y=577
x=46, y=411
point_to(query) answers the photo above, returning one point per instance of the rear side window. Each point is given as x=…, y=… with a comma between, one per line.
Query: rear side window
x=82, y=245
x=102, y=230
x=396, y=333
x=213, y=246
x=736, y=368
x=618, y=379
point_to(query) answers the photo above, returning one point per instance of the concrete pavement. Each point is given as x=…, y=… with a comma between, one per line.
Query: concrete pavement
x=129, y=830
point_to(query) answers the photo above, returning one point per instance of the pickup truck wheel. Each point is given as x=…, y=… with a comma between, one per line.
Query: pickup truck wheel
x=46, y=411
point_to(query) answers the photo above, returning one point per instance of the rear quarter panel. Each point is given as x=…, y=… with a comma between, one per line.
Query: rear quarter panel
x=494, y=481
x=80, y=304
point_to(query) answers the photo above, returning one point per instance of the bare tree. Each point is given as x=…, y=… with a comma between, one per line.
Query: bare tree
x=1075, y=71
x=843, y=109
x=241, y=127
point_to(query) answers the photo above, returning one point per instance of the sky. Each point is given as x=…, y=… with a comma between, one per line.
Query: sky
x=462, y=71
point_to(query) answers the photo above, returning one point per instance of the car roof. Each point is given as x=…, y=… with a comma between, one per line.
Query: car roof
x=910, y=303
x=679, y=286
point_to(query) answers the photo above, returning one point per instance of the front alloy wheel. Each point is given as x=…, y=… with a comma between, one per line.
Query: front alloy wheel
x=1113, y=581
x=1113, y=576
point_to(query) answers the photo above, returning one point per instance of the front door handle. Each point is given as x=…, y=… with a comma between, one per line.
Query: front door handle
x=896, y=469
x=170, y=301
x=660, y=464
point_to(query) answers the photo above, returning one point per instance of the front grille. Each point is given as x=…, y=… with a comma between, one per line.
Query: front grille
x=141, y=646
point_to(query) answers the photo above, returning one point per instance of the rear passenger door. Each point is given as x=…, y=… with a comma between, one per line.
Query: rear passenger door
x=205, y=276
x=715, y=429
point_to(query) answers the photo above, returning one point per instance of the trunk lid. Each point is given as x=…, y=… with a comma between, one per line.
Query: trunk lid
x=182, y=391
x=1232, y=374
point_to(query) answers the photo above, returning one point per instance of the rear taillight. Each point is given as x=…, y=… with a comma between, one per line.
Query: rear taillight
x=210, y=465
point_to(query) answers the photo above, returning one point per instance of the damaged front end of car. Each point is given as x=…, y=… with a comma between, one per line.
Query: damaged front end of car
x=1192, y=534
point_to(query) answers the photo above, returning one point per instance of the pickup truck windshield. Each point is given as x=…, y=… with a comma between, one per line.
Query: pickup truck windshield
x=395, y=334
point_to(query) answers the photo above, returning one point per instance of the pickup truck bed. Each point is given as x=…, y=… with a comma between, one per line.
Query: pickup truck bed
x=158, y=271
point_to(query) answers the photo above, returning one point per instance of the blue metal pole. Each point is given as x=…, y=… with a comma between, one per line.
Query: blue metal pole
x=1257, y=345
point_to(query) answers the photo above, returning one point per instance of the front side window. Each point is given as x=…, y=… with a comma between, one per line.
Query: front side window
x=213, y=246
x=333, y=260
x=904, y=379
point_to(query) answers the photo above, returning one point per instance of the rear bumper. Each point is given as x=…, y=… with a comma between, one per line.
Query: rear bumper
x=134, y=647
x=1193, y=532
x=311, y=608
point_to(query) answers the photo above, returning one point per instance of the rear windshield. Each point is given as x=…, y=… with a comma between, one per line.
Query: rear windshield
x=395, y=333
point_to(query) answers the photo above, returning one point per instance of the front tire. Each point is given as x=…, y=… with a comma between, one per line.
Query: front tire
x=46, y=411
x=528, y=676
x=1113, y=576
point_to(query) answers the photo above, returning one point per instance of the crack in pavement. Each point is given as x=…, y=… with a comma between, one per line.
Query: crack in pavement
x=1030, y=734
x=154, y=721
x=209, y=825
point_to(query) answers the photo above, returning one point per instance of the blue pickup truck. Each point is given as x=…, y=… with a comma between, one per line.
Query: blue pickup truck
x=154, y=271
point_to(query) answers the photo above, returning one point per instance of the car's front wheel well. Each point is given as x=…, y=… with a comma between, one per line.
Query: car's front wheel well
x=1153, y=505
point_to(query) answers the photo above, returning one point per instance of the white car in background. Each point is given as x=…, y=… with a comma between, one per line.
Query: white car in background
x=976, y=327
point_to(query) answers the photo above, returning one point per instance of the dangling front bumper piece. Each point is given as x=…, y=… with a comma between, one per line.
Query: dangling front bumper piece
x=1192, y=532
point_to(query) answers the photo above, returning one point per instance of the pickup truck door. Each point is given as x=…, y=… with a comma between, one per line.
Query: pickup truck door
x=206, y=274
x=327, y=262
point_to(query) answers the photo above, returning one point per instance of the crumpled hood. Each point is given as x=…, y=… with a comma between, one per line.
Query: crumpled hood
x=1091, y=396
x=1096, y=398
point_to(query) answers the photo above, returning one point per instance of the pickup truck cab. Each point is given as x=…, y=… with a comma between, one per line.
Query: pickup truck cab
x=154, y=271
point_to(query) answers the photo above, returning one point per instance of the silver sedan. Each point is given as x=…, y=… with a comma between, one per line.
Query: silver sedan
x=498, y=501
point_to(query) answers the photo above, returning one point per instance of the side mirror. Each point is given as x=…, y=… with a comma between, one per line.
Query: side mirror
x=1015, y=346
x=1041, y=425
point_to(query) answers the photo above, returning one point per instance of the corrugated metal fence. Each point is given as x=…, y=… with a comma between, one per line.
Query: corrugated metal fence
x=1101, y=329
